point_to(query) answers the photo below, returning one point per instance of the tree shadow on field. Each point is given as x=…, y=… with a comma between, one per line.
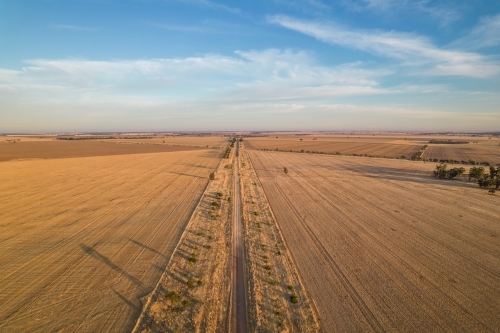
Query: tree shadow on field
x=412, y=176
x=135, y=307
x=90, y=251
x=185, y=174
x=195, y=165
x=146, y=247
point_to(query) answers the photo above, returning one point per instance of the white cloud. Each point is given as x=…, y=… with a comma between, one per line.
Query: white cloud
x=444, y=14
x=485, y=34
x=411, y=49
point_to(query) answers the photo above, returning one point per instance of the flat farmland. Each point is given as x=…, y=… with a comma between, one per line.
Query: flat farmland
x=371, y=146
x=194, y=141
x=83, y=239
x=383, y=246
x=66, y=149
x=474, y=152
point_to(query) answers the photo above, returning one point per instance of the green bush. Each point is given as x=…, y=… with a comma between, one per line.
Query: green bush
x=294, y=299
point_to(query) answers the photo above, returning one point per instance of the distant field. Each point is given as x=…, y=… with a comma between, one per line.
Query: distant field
x=474, y=152
x=197, y=141
x=383, y=246
x=390, y=147
x=66, y=149
x=83, y=239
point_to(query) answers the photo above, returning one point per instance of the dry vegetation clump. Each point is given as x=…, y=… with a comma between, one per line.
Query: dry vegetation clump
x=382, y=245
x=277, y=300
x=82, y=240
x=193, y=293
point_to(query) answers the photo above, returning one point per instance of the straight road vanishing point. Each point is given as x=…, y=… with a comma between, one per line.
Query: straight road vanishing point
x=239, y=305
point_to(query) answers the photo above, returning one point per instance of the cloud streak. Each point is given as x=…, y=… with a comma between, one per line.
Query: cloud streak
x=410, y=49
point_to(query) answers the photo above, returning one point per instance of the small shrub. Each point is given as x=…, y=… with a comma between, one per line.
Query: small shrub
x=267, y=268
x=290, y=287
x=185, y=303
x=256, y=213
x=212, y=176
x=192, y=259
x=199, y=283
x=278, y=253
x=190, y=283
x=294, y=299
x=285, y=170
x=229, y=199
x=173, y=296
x=278, y=313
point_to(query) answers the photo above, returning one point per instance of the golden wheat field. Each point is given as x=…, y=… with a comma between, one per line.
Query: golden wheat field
x=83, y=239
x=382, y=245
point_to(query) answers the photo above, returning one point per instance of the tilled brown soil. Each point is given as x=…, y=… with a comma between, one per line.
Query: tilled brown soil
x=475, y=152
x=394, y=148
x=68, y=149
x=383, y=246
x=83, y=239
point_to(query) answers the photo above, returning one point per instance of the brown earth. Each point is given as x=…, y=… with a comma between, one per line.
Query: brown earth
x=67, y=149
x=475, y=152
x=194, y=141
x=382, y=245
x=201, y=255
x=371, y=146
x=272, y=277
x=83, y=239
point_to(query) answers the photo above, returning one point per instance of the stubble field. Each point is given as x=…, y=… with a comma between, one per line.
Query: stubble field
x=475, y=152
x=383, y=246
x=83, y=239
x=345, y=145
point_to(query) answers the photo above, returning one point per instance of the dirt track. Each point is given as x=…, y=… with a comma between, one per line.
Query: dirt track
x=82, y=239
x=383, y=246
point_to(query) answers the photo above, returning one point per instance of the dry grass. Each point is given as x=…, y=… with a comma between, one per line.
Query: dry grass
x=67, y=149
x=272, y=276
x=83, y=239
x=383, y=246
x=202, y=255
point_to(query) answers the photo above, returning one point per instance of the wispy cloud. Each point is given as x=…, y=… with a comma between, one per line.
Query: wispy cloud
x=74, y=27
x=445, y=13
x=485, y=34
x=410, y=49
x=213, y=5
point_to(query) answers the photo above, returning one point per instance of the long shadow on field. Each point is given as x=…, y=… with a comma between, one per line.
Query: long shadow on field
x=407, y=176
x=146, y=247
x=136, y=308
x=90, y=251
x=185, y=174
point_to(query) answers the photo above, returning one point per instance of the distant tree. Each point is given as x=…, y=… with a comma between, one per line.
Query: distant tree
x=476, y=172
x=285, y=170
x=212, y=176
x=440, y=171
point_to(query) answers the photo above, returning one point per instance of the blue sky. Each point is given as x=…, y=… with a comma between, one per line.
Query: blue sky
x=147, y=65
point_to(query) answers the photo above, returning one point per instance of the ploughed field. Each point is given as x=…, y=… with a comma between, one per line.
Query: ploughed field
x=475, y=152
x=83, y=239
x=345, y=145
x=381, y=245
x=64, y=149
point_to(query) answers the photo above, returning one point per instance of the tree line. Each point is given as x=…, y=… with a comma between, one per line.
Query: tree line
x=484, y=179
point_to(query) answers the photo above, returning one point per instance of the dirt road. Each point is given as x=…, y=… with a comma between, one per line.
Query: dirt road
x=239, y=305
